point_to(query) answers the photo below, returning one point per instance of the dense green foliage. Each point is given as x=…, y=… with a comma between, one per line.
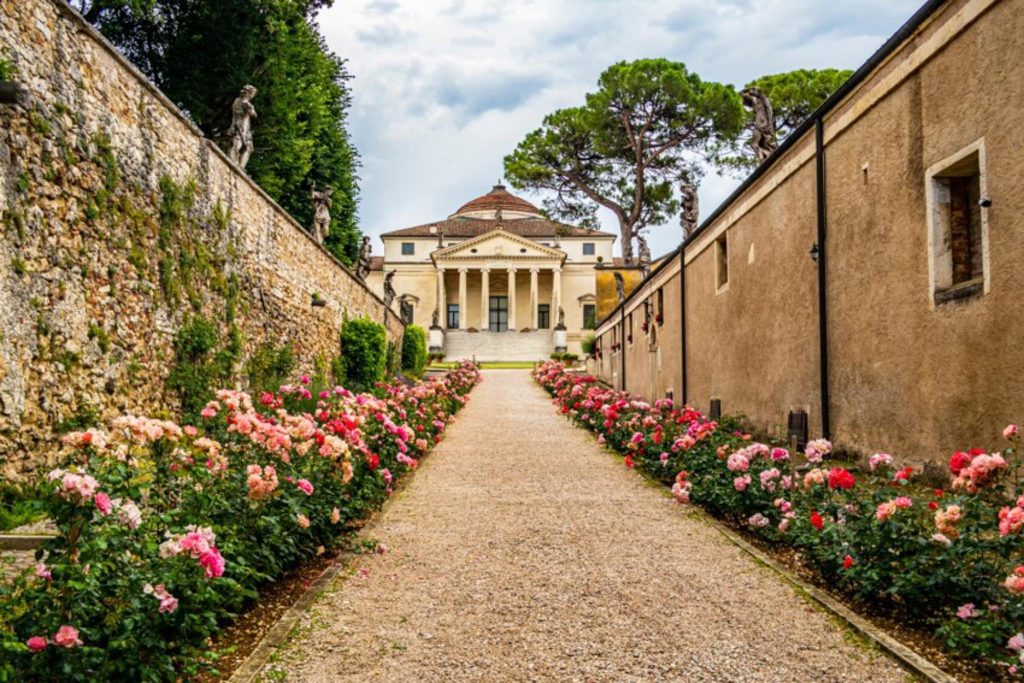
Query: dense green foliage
x=364, y=353
x=270, y=366
x=201, y=53
x=414, y=350
x=647, y=128
x=197, y=366
x=6, y=69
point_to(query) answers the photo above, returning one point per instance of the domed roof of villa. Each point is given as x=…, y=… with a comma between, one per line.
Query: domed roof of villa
x=498, y=198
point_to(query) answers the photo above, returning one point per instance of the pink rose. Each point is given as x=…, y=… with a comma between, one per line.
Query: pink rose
x=305, y=486
x=213, y=562
x=303, y=521
x=103, y=503
x=36, y=643
x=67, y=636
x=335, y=516
x=1010, y=432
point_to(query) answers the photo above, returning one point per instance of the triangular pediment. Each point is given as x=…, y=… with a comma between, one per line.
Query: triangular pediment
x=498, y=244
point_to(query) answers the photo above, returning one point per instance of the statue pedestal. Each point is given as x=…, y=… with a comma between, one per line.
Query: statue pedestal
x=435, y=340
x=561, y=340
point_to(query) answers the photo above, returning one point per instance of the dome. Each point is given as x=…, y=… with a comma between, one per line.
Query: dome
x=497, y=199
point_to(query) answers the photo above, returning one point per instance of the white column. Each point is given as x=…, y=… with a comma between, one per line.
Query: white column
x=556, y=295
x=512, y=299
x=485, y=299
x=442, y=304
x=463, y=300
x=533, y=297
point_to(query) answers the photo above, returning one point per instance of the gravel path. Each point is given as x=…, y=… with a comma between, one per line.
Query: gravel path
x=523, y=552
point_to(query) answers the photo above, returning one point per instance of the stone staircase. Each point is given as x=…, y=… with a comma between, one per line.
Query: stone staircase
x=498, y=346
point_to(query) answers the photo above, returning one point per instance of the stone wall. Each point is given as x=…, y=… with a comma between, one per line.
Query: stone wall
x=907, y=374
x=120, y=223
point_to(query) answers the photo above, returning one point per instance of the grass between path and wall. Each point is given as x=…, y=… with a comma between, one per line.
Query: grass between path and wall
x=946, y=561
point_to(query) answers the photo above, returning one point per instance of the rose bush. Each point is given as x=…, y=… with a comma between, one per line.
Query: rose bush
x=951, y=559
x=167, y=531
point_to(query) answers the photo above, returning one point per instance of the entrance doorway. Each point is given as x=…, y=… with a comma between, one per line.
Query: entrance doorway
x=498, y=318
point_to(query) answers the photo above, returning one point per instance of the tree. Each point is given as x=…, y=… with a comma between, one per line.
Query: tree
x=201, y=52
x=796, y=94
x=648, y=126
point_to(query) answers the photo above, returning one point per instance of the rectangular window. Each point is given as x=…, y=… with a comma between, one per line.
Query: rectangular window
x=722, y=261
x=589, y=249
x=958, y=229
x=661, y=305
x=498, y=314
x=543, y=316
x=589, y=316
x=408, y=248
x=453, y=316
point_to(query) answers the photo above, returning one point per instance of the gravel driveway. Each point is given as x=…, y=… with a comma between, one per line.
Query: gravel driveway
x=521, y=551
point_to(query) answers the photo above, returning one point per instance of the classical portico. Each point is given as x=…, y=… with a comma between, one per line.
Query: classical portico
x=497, y=273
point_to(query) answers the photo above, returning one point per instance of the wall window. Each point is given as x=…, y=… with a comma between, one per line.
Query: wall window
x=589, y=249
x=408, y=248
x=958, y=227
x=722, y=262
x=589, y=316
x=661, y=306
x=453, y=316
x=543, y=316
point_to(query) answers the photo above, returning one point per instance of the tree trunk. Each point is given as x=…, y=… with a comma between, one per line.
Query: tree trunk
x=626, y=230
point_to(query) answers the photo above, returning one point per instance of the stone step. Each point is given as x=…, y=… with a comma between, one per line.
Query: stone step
x=498, y=346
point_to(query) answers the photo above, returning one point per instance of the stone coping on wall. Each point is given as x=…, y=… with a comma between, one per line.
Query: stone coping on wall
x=88, y=29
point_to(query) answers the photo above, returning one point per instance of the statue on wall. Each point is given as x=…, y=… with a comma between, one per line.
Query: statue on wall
x=644, y=252
x=363, y=264
x=321, y=212
x=242, y=115
x=561, y=319
x=763, y=138
x=620, y=286
x=690, y=217
x=405, y=310
x=389, y=287
x=436, y=319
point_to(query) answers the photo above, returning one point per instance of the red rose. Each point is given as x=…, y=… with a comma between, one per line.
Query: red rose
x=904, y=474
x=958, y=461
x=840, y=478
x=816, y=521
x=847, y=562
x=933, y=505
x=629, y=461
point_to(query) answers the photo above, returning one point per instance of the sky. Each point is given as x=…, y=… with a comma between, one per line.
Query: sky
x=444, y=89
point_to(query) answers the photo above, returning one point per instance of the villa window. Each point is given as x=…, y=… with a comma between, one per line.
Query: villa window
x=661, y=306
x=589, y=316
x=589, y=249
x=958, y=227
x=453, y=316
x=408, y=248
x=722, y=262
x=543, y=316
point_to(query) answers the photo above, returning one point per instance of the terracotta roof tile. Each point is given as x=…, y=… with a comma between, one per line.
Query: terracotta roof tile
x=498, y=198
x=473, y=227
x=376, y=263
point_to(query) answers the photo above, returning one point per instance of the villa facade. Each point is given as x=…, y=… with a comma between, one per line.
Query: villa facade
x=496, y=280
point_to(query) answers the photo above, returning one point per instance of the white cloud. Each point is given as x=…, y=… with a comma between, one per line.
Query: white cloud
x=444, y=89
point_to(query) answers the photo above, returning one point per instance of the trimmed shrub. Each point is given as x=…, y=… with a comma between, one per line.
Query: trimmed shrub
x=364, y=353
x=589, y=343
x=414, y=350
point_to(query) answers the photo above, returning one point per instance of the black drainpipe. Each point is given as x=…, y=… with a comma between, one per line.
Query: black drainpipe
x=622, y=346
x=819, y=155
x=682, y=322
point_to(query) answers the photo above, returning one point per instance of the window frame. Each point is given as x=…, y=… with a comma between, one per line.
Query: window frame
x=543, y=316
x=593, y=318
x=722, y=263
x=452, y=308
x=411, y=251
x=966, y=291
x=592, y=246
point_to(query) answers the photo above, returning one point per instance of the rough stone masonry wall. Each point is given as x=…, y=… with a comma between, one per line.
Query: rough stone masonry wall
x=120, y=223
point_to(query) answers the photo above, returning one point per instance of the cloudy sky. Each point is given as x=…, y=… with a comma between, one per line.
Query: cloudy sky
x=444, y=89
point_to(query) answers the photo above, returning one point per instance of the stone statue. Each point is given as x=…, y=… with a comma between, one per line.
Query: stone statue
x=363, y=264
x=436, y=319
x=389, y=288
x=763, y=138
x=440, y=238
x=321, y=212
x=690, y=217
x=644, y=252
x=561, y=319
x=497, y=214
x=242, y=115
x=405, y=308
x=620, y=286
